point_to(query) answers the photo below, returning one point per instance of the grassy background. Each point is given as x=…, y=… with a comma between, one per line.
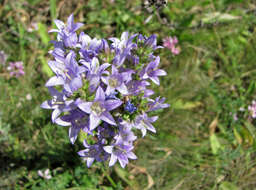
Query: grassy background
x=198, y=144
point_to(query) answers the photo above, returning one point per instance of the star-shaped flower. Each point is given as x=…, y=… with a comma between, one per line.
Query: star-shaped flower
x=100, y=109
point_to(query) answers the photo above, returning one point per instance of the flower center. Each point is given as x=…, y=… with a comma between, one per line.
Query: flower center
x=97, y=109
x=113, y=82
x=119, y=150
x=81, y=121
x=55, y=101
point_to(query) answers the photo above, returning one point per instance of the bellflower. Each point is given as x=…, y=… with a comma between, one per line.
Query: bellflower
x=152, y=72
x=104, y=90
x=89, y=47
x=95, y=72
x=93, y=152
x=78, y=121
x=143, y=122
x=125, y=133
x=67, y=33
x=156, y=104
x=58, y=104
x=122, y=47
x=100, y=109
x=115, y=82
x=121, y=152
x=68, y=74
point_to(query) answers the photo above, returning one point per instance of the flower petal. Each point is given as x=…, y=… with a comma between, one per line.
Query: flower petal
x=85, y=106
x=100, y=94
x=94, y=121
x=83, y=153
x=160, y=72
x=155, y=80
x=60, y=122
x=54, y=81
x=108, y=149
x=107, y=117
x=112, y=104
x=112, y=160
x=73, y=132
x=90, y=161
x=131, y=155
x=47, y=105
x=60, y=25
x=122, y=89
x=55, y=114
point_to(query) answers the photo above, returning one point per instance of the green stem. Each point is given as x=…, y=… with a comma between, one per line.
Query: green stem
x=109, y=178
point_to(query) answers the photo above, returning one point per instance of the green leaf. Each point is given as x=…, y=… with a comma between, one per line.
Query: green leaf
x=218, y=17
x=225, y=185
x=247, y=136
x=180, y=104
x=42, y=32
x=215, y=144
x=53, y=9
x=82, y=136
x=123, y=174
x=45, y=68
x=238, y=136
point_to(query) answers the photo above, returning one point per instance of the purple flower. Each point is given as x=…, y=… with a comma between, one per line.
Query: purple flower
x=105, y=131
x=90, y=91
x=130, y=107
x=150, y=41
x=89, y=44
x=121, y=152
x=152, y=72
x=125, y=133
x=122, y=47
x=59, y=52
x=170, y=43
x=78, y=120
x=135, y=87
x=143, y=122
x=99, y=109
x=67, y=33
x=90, y=48
x=68, y=74
x=124, y=43
x=95, y=72
x=59, y=103
x=115, y=82
x=112, y=96
x=156, y=104
x=93, y=152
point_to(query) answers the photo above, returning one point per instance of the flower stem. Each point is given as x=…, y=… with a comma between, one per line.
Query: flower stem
x=109, y=178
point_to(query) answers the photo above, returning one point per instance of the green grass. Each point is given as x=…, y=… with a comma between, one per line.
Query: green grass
x=198, y=144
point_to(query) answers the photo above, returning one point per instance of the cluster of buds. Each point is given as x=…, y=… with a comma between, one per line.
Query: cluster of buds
x=100, y=89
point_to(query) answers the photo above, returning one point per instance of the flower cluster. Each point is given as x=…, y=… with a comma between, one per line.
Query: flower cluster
x=16, y=69
x=100, y=89
x=252, y=109
x=170, y=44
